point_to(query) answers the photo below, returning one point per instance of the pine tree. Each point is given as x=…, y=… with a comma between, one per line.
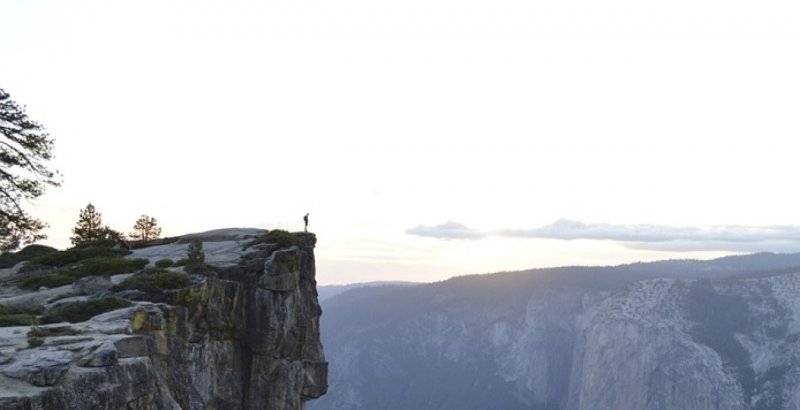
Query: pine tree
x=195, y=254
x=145, y=229
x=25, y=149
x=90, y=226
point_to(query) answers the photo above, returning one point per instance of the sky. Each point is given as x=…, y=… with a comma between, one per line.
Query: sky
x=426, y=139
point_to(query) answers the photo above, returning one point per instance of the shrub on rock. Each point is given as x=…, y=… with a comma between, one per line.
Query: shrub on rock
x=284, y=239
x=165, y=263
x=96, y=266
x=51, y=280
x=81, y=311
x=12, y=316
x=154, y=281
x=194, y=253
x=10, y=259
x=63, y=258
x=106, y=266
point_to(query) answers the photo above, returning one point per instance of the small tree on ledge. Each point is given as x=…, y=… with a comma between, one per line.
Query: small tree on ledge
x=195, y=254
x=90, y=226
x=145, y=229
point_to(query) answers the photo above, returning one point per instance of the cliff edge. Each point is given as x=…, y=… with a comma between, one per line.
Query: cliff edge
x=243, y=337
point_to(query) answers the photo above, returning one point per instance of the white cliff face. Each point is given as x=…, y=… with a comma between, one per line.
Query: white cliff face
x=635, y=350
x=536, y=357
x=554, y=343
x=688, y=344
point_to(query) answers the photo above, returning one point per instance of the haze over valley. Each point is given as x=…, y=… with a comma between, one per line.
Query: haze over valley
x=680, y=334
x=417, y=204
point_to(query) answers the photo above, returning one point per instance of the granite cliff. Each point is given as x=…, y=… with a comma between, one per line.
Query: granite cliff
x=719, y=334
x=242, y=336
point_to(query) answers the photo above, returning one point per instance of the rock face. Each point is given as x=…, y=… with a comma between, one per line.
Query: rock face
x=233, y=342
x=721, y=334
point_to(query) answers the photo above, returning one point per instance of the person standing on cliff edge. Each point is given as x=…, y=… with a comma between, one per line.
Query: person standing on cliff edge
x=305, y=220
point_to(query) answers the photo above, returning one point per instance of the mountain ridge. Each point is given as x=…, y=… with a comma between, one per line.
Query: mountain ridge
x=571, y=338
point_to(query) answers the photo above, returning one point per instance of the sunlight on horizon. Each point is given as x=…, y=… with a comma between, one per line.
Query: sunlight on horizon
x=381, y=117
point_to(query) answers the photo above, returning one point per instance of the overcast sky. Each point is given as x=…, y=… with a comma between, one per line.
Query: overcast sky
x=427, y=138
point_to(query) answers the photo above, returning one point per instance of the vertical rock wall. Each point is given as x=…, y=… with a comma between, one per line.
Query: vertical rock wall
x=284, y=342
x=251, y=341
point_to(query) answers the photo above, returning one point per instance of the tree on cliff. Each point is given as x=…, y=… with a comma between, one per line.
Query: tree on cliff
x=25, y=148
x=90, y=227
x=195, y=254
x=146, y=228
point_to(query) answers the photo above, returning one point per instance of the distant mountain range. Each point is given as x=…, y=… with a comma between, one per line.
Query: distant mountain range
x=329, y=291
x=679, y=334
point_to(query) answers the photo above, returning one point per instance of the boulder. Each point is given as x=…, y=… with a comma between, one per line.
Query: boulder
x=40, y=367
x=105, y=355
x=92, y=285
x=281, y=271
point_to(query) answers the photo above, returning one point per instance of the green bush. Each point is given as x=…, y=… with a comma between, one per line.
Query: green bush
x=199, y=269
x=181, y=262
x=98, y=243
x=36, y=331
x=11, y=316
x=96, y=266
x=194, y=253
x=154, y=242
x=11, y=259
x=153, y=270
x=63, y=258
x=52, y=280
x=81, y=311
x=165, y=263
x=9, y=310
x=105, y=265
x=35, y=341
x=22, y=319
x=284, y=239
x=154, y=281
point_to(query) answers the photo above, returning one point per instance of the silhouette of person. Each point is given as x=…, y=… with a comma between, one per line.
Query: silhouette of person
x=305, y=220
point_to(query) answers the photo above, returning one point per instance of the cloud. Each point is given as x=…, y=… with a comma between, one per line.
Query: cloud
x=566, y=229
x=736, y=238
x=447, y=230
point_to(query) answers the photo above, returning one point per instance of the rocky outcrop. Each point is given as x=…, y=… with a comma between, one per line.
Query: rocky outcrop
x=238, y=341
